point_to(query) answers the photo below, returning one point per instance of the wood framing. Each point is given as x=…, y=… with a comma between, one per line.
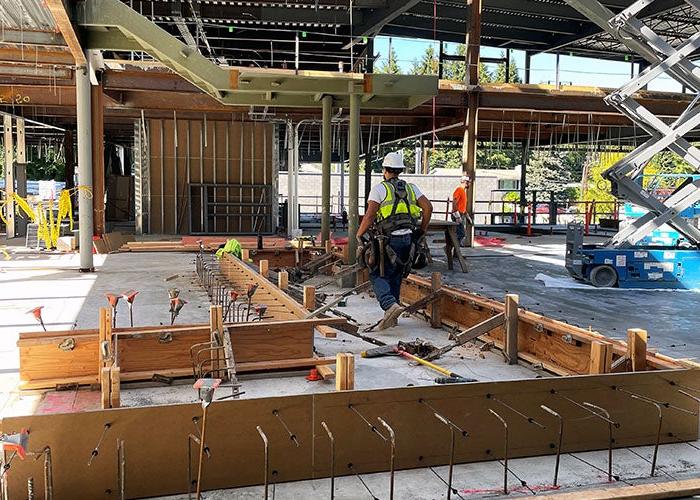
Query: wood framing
x=559, y=347
x=141, y=352
x=153, y=433
x=65, y=26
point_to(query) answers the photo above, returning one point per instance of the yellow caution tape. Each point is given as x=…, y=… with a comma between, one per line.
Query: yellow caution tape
x=48, y=228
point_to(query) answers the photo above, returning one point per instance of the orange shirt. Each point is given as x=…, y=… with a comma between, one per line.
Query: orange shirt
x=459, y=200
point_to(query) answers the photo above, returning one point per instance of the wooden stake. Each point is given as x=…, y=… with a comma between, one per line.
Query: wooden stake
x=263, y=266
x=435, y=314
x=511, y=328
x=105, y=387
x=245, y=254
x=283, y=280
x=637, y=349
x=115, y=381
x=329, y=246
x=601, y=357
x=310, y=298
x=345, y=371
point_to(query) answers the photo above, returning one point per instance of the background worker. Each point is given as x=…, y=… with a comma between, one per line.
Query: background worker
x=397, y=217
x=459, y=207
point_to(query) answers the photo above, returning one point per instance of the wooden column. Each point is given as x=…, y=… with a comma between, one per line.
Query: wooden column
x=9, y=176
x=511, y=328
x=637, y=349
x=469, y=145
x=98, y=159
x=435, y=314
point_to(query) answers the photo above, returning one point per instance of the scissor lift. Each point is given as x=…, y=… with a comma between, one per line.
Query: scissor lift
x=621, y=261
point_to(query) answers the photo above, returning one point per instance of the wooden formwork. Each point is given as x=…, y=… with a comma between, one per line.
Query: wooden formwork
x=155, y=438
x=559, y=347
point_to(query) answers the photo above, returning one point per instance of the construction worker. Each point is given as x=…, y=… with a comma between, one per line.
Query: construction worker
x=396, y=219
x=459, y=207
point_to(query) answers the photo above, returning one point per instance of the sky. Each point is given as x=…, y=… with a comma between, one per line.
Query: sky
x=572, y=70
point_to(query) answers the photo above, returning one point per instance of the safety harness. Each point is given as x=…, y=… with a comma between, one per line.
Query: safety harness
x=399, y=209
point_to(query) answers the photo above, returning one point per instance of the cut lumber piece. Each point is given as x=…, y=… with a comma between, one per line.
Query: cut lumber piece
x=325, y=371
x=105, y=388
x=115, y=387
x=283, y=280
x=345, y=371
x=309, y=298
x=637, y=348
x=472, y=333
x=668, y=489
x=601, y=357
x=264, y=267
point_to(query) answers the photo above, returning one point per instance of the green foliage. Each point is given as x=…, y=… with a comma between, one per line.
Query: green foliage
x=427, y=65
x=456, y=70
x=500, y=75
x=390, y=66
x=49, y=167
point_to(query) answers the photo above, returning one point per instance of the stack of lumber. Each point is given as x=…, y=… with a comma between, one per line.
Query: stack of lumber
x=112, y=242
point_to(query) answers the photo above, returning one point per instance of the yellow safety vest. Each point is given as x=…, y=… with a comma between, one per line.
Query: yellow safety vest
x=391, y=207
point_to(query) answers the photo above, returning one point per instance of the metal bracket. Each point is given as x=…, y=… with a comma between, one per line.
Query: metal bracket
x=67, y=344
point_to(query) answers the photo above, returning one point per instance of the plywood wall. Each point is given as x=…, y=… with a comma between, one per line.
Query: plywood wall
x=183, y=153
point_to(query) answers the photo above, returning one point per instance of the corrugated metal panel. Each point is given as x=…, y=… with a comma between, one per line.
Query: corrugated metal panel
x=25, y=14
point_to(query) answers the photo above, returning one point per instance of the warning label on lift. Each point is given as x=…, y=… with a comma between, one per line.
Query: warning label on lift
x=620, y=260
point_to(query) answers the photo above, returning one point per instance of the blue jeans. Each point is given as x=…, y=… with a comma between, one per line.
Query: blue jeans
x=461, y=232
x=388, y=288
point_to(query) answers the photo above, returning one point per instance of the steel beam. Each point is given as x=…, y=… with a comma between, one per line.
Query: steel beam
x=327, y=103
x=354, y=176
x=380, y=17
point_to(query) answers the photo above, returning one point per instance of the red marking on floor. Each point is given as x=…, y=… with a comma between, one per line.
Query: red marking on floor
x=519, y=489
x=484, y=241
x=68, y=402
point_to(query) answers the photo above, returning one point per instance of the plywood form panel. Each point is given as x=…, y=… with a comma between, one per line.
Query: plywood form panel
x=156, y=170
x=155, y=437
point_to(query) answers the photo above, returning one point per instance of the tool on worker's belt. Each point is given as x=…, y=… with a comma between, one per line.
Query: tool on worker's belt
x=113, y=302
x=176, y=306
x=332, y=439
x=453, y=427
x=266, y=444
x=560, y=440
x=205, y=388
x=130, y=296
x=292, y=436
x=403, y=348
x=96, y=450
x=260, y=310
x=382, y=254
x=36, y=312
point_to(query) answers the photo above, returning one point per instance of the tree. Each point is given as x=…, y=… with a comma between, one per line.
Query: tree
x=390, y=66
x=428, y=64
x=456, y=70
x=500, y=75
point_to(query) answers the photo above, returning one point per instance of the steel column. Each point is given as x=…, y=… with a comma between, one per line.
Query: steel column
x=354, y=174
x=326, y=169
x=469, y=144
x=84, y=136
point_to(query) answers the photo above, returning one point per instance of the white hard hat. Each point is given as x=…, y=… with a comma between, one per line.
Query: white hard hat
x=393, y=161
x=466, y=178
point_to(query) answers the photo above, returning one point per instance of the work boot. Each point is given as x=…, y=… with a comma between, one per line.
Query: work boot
x=391, y=317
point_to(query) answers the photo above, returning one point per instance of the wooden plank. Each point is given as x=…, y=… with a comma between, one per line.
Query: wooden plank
x=637, y=348
x=511, y=328
x=263, y=265
x=435, y=316
x=325, y=371
x=283, y=280
x=669, y=489
x=153, y=432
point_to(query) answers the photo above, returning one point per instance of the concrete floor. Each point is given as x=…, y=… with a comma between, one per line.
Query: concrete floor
x=71, y=300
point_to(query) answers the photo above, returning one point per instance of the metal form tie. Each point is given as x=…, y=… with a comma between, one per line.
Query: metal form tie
x=352, y=469
x=517, y=412
x=292, y=436
x=369, y=424
x=96, y=450
x=665, y=404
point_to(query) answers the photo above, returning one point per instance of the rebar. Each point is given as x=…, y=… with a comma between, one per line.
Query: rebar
x=392, y=440
x=48, y=474
x=559, y=441
x=592, y=409
x=267, y=457
x=452, y=428
x=330, y=436
x=665, y=404
x=505, y=450
x=121, y=469
x=658, y=429
x=30, y=488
